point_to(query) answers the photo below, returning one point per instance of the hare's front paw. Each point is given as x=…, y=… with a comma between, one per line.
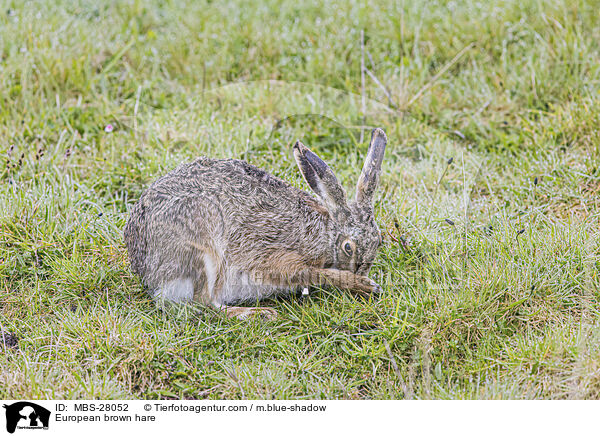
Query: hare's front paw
x=368, y=285
x=265, y=313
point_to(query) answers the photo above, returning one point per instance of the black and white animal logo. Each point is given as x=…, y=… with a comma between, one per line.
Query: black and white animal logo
x=26, y=415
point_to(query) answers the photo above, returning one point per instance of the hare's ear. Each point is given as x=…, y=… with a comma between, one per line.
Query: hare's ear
x=367, y=182
x=320, y=177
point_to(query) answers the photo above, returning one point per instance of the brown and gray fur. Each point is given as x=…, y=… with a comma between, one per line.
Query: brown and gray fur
x=225, y=231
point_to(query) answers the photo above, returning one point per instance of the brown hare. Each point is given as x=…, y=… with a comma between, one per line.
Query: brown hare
x=224, y=231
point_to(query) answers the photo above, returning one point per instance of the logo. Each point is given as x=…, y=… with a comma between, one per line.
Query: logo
x=26, y=415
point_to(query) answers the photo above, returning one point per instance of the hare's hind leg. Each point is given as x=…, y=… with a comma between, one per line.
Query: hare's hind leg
x=209, y=288
x=178, y=290
x=224, y=287
x=240, y=312
x=246, y=312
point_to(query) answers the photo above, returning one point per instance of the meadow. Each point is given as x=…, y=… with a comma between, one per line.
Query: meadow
x=489, y=199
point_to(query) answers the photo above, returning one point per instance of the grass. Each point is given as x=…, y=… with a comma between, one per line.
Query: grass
x=490, y=266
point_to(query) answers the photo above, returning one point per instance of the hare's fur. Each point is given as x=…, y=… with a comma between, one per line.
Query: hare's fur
x=224, y=231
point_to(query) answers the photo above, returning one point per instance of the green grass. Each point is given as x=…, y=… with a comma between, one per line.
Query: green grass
x=491, y=276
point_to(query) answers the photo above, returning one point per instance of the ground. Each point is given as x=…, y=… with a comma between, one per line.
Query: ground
x=489, y=198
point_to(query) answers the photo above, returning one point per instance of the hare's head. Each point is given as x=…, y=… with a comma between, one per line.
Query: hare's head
x=356, y=236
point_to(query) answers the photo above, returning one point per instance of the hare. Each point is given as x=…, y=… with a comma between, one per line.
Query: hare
x=224, y=231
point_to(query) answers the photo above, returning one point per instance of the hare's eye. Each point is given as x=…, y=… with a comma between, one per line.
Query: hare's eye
x=348, y=248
